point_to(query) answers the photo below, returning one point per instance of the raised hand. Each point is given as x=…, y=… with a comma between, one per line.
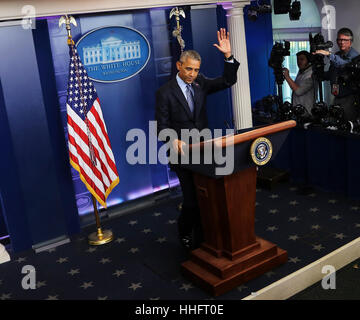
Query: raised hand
x=223, y=42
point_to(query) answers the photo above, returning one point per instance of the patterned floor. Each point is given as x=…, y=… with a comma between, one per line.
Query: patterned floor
x=143, y=262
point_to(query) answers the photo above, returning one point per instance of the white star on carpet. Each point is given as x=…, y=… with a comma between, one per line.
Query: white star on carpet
x=294, y=219
x=119, y=273
x=272, y=228
x=274, y=196
x=119, y=240
x=135, y=286
x=5, y=296
x=146, y=230
x=340, y=236
x=74, y=271
x=335, y=217
x=62, y=260
x=293, y=203
x=294, y=260
x=133, y=250
x=270, y=274
x=186, y=286
x=40, y=284
x=242, y=287
x=104, y=260
x=273, y=211
x=318, y=247
x=294, y=237
x=86, y=285
x=133, y=222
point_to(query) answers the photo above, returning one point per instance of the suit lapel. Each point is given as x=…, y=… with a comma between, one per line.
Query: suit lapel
x=198, y=97
x=180, y=96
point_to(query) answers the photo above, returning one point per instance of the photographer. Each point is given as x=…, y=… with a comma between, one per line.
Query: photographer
x=344, y=95
x=303, y=86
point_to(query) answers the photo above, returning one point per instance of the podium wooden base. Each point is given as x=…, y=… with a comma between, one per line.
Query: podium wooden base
x=231, y=253
x=220, y=275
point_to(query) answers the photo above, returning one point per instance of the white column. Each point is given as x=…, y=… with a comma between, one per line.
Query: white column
x=4, y=256
x=241, y=90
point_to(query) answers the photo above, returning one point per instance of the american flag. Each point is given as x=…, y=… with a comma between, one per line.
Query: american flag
x=89, y=146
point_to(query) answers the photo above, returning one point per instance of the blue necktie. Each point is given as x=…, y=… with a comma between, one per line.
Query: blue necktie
x=190, y=97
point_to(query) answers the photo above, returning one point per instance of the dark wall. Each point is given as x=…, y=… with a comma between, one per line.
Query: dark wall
x=35, y=140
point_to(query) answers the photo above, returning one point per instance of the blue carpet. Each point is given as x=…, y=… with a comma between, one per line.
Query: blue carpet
x=143, y=261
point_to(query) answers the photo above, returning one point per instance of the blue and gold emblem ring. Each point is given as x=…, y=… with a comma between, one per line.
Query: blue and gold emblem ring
x=261, y=151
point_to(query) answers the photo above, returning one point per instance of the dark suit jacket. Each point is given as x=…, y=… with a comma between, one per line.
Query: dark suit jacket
x=172, y=110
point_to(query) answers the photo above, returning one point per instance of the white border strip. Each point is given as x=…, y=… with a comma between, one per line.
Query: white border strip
x=310, y=274
x=47, y=245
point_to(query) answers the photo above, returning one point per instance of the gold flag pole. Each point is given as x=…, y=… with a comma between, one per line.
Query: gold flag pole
x=99, y=237
x=177, y=31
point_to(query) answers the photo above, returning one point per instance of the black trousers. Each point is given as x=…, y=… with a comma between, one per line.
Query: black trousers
x=189, y=218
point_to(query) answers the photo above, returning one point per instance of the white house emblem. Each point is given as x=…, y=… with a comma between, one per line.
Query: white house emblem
x=112, y=54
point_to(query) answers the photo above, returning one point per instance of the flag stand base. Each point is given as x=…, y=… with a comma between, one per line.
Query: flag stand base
x=100, y=237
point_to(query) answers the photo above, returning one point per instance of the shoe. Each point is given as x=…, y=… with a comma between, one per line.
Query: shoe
x=187, y=242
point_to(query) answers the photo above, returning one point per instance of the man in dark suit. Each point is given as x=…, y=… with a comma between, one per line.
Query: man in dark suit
x=181, y=104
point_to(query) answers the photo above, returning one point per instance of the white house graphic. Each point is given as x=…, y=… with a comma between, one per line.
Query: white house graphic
x=111, y=50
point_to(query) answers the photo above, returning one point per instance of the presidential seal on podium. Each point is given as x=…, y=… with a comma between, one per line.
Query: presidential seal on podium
x=261, y=151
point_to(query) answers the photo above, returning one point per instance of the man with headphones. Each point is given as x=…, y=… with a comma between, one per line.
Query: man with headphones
x=344, y=95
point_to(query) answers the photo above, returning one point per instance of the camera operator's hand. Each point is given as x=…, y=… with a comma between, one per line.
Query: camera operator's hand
x=286, y=73
x=288, y=79
x=322, y=52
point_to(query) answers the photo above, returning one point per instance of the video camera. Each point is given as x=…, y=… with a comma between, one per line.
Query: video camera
x=278, y=52
x=318, y=43
x=266, y=107
x=350, y=74
x=333, y=118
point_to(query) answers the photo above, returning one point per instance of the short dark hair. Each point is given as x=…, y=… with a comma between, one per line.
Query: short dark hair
x=346, y=32
x=192, y=54
x=306, y=54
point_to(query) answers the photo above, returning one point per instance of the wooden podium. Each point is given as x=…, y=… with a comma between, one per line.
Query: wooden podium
x=231, y=253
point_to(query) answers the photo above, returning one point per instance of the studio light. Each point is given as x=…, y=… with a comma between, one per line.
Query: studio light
x=257, y=9
x=285, y=6
x=295, y=11
x=281, y=6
